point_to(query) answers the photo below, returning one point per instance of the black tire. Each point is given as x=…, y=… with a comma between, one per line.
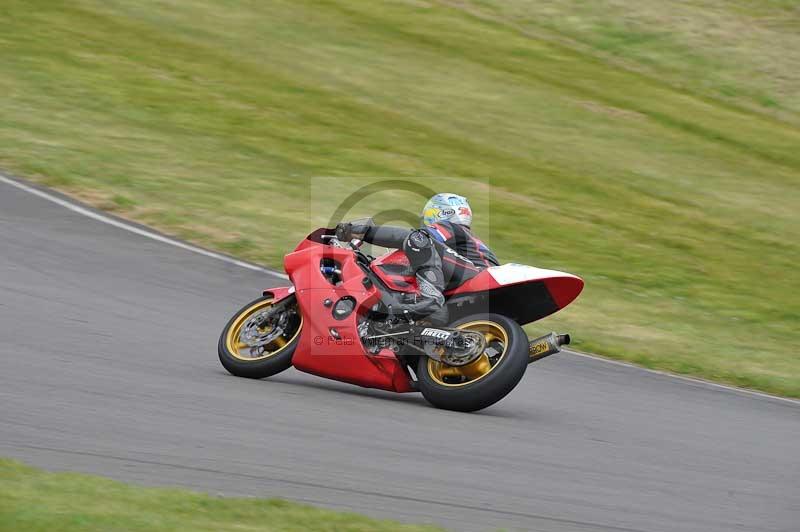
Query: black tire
x=257, y=368
x=487, y=389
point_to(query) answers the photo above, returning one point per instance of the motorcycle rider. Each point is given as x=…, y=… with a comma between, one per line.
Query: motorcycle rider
x=443, y=253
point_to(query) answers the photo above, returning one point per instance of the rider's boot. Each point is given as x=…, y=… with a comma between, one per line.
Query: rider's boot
x=419, y=307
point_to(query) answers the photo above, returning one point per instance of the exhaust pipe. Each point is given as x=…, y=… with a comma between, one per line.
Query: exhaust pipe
x=546, y=345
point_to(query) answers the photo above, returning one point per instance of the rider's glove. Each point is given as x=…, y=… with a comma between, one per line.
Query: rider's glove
x=344, y=231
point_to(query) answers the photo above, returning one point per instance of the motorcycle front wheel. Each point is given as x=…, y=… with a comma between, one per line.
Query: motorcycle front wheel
x=259, y=341
x=486, y=380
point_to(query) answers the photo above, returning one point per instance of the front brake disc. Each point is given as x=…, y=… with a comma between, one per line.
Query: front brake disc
x=263, y=327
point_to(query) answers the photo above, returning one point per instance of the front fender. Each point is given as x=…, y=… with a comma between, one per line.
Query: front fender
x=279, y=293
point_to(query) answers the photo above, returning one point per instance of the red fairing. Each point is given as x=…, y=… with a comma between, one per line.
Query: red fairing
x=395, y=271
x=564, y=289
x=319, y=351
x=480, y=283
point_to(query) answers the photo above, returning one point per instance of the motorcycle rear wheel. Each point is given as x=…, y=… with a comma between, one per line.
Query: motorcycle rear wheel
x=489, y=378
x=263, y=361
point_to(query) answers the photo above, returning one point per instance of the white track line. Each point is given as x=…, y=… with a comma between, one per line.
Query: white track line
x=745, y=391
x=137, y=230
x=200, y=251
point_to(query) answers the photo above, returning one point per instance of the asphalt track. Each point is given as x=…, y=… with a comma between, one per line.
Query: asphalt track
x=109, y=366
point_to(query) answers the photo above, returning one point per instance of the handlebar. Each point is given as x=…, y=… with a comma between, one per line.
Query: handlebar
x=333, y=241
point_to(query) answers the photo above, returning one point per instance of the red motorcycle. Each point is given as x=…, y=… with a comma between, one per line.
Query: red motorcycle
x=336, y=321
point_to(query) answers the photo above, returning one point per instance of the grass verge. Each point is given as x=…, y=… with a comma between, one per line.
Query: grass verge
x=656, y=160
x=35, y=500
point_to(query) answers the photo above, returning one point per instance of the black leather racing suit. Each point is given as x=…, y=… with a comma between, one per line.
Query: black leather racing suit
x=443, y=256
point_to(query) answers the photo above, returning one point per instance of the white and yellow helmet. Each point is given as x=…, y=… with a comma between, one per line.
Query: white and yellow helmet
x=447, y=207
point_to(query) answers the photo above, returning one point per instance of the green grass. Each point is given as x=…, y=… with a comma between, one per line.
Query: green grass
x=650, y=148
x=35, y=500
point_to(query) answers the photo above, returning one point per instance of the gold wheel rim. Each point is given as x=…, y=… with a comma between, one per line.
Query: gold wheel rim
x=235, y=346
x=478, y=369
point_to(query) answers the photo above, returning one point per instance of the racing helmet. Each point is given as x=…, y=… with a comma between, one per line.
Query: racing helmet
x=447, y=207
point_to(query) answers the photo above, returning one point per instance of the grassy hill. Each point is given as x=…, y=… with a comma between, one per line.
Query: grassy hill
x=650, y=147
